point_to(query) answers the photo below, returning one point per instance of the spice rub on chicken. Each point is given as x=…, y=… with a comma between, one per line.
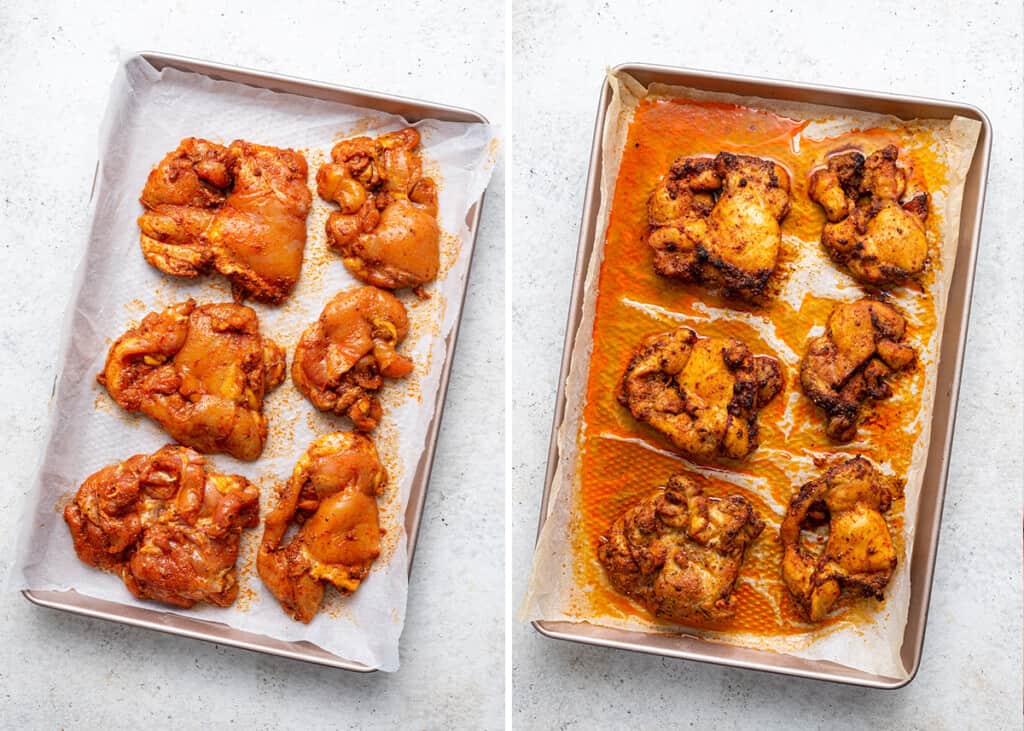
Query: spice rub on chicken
x=679, y=552
x=342, y=359
x=853, y=361
x=167, y=524
x=201, y=372
x=716, y=221
x=702, y=393
x=386, y=227
x=873, y=228
x=858, y=558
x=240, y=210
x=332, y=498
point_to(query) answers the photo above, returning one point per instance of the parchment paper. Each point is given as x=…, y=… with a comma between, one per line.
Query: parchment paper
x=149, y=113
x=874, y=646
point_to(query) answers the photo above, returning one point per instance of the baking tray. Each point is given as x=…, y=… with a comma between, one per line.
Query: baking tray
x=413, y=110
x=954, y=340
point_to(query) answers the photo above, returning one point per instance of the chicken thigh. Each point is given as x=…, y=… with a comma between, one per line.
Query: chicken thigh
x=166, y=524
x=879, y=237
x=853, y=361
x=200, y=372
x=679, y=552
x=702, y=393
x=259, y=235
x=181, y=198
x=386, y=229
x=240, y=210
x=716, y=221
x=859, y=556
x=342, y=358
x=332, y=498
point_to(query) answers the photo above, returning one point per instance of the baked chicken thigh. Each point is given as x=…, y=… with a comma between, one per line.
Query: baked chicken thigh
x=702, y=393
x=716, y=220
x=166, y=524
x=858, y=557
x=876, y=234
x=201, y=373
x=342, y=359
x=386, y=229
x=679, y=552
x=853, y=362
x=332, y=498
x=240, y=210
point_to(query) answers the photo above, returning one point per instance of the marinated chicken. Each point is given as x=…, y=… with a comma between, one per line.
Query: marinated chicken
x=166, y=524
x=181, y=197
x=331, y=497
x=679, y=552
x=876, y=232
x=342, y=359
x=201, y=372
x=240, y=210
x=716, y=221
x=858, y=558
x=386, y=229
x=853, y=361
x=702, y=393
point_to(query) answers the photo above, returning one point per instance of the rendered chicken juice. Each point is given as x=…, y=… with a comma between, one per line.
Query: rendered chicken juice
x=634, y=301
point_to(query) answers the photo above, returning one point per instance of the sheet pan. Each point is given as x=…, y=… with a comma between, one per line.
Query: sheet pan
x=948, y=379
x=412, y=110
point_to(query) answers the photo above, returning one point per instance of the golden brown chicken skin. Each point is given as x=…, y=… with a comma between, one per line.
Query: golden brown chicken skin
x=858, y=558
x=702, y=393
x=332, y=498
x=679, y=552
x=873, y=228
x=240, y=210
x=716, y=221
x=166, y=524
x=853, y=361
x=201, y=372
x=342, y=359
x=386, y=227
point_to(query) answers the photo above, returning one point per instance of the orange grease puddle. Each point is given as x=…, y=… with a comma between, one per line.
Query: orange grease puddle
x=614, y=473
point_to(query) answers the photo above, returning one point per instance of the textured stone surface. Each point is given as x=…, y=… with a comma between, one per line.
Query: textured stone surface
x=971, y=671
x=55, y=68
x=61, y=670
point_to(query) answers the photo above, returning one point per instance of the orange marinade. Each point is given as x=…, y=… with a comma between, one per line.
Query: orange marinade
x=614, y=473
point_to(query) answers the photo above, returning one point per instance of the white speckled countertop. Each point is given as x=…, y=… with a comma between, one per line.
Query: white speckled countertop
x=971, y=670
x=58, y=670
x=55, y=69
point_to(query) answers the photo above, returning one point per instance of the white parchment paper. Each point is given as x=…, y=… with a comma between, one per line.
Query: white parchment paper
x=872, y=646
x=149, y=113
